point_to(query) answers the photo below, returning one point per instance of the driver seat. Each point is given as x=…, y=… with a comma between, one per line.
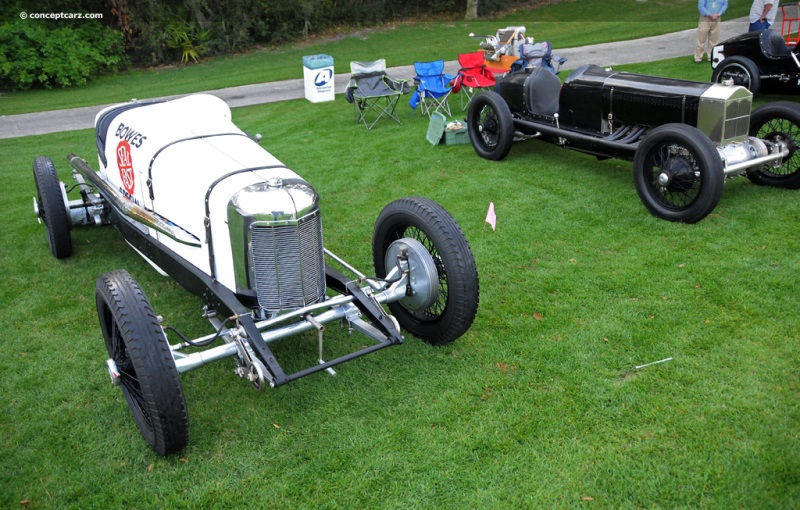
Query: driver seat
x=773, y=45
x=542, y=89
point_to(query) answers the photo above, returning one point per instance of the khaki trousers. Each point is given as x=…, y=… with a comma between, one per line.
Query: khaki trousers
x=707, y=31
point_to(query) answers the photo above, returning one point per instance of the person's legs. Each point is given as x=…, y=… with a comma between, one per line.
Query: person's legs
x=703, y=30
x=713, y=37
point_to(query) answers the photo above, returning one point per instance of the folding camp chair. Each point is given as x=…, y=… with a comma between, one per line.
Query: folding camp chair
x=371, y=90
x=472, y=77
x=790, y=24
x=538, y=55
x=433, y=87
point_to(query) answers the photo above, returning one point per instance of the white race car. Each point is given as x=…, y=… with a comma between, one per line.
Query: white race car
x=204, y=203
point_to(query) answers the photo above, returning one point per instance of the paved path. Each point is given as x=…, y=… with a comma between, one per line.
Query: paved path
x=661, y=47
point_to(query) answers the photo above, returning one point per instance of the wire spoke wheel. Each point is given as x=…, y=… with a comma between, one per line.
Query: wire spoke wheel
x=672, y=176
x=678, y=173
x=490, y=125
x=456, y=304
x=144, y=365
x=778, y=123
x=129, y=381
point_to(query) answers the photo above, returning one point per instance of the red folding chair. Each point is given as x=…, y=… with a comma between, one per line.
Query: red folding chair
x=790, y=23
x=472, y=77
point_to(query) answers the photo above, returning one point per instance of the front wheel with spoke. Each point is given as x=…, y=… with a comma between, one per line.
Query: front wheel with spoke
x=142, y=363
x=456, y=299
x=678, y=173
x=490, y=125
x=778, y=123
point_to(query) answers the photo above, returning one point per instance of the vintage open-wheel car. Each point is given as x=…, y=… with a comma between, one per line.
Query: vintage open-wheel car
x=204, y=203
x=684, y=137
x=760, y=61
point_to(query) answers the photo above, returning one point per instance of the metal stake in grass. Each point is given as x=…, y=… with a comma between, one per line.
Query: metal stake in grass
x=653, y=363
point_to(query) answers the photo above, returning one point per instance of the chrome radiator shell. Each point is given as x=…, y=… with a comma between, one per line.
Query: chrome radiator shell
x=724, y=113
x=276, y=240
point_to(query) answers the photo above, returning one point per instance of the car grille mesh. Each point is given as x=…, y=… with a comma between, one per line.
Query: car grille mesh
x=288, y=264
x=737, y=118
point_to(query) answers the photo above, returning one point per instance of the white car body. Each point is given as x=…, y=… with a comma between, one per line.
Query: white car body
x=173, y=152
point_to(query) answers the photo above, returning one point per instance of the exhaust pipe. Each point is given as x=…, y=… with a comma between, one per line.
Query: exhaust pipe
x=129, y=209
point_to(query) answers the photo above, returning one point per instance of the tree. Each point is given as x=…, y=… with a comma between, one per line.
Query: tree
x=472, y=10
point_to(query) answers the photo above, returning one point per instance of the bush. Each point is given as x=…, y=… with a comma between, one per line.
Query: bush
x=33, y=55
x=152, y=32
x=222, y=26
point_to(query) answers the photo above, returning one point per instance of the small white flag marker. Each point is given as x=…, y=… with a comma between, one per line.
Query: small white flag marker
x=491, y=217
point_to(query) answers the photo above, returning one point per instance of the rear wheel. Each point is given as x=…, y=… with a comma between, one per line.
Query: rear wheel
x=456, y=298
x=491, y=128
x=141, y=362
x=741, y=70
x=778, y=122
x=678, y=173
x=51, y=206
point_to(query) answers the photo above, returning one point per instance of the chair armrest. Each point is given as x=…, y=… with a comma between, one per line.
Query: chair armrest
x=401, y=86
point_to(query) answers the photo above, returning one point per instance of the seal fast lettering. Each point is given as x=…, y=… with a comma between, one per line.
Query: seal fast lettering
x=125, y=164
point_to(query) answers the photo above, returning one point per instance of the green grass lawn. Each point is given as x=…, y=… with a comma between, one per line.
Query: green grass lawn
x=539, y=405
x=566, y=24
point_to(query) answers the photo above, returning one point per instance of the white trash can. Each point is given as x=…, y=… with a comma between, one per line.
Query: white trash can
x=318, y=78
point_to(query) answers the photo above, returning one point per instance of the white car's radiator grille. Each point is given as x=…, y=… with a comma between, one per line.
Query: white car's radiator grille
x=288, y=263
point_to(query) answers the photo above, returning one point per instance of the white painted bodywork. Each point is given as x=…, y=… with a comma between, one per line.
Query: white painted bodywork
x=185, y=146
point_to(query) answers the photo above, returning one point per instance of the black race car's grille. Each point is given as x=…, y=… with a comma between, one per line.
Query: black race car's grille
x=288, y=263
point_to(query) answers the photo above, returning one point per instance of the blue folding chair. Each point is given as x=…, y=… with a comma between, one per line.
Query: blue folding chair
x=433, y=87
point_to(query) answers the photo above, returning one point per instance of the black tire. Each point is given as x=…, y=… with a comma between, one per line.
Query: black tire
x=741, y=70
x=148, y=376
x=772, y=122
x=451, y=315
x=491, y=128
x=678, y=173
x=52, y=209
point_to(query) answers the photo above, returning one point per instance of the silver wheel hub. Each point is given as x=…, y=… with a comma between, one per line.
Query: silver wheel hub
x=256, y=374
x=422, y=273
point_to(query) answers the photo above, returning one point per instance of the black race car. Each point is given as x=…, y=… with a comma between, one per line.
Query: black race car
x=684, y=137
x=760, y=61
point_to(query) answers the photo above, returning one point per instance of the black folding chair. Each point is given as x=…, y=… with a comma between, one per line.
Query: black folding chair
x=372, y=91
